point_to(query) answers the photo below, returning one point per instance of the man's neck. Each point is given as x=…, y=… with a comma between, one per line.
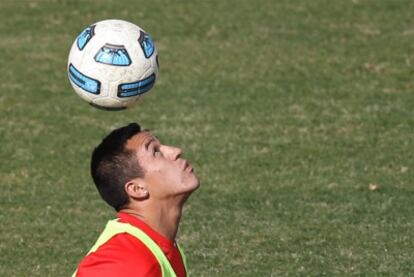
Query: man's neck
x=164, y=218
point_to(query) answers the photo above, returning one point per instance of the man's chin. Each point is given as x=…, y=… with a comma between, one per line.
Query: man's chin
x=195, y=183
x=191, y=185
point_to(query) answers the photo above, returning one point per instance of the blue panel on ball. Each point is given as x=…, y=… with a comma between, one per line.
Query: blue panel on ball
x=84, y=82
x=85, y=37
x=136, y=88
x=113, y=55
x=147, y=44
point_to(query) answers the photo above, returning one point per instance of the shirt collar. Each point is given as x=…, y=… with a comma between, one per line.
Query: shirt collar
x=138, y=223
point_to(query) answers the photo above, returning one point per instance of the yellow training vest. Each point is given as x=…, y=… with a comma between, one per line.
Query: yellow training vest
x=114, y=227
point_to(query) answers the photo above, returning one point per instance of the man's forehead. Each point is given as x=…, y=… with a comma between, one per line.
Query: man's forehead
x=140, y=139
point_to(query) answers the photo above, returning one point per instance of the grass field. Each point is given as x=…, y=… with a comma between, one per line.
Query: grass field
x=288, y=110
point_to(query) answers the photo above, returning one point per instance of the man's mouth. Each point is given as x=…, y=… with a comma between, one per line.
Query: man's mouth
x=187, y=167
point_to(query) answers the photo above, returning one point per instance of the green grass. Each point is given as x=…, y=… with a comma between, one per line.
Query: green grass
x=287, y=109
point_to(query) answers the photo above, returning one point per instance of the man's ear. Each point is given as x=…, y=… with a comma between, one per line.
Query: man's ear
x=136, y=189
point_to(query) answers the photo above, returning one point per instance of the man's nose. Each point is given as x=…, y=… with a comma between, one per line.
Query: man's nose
x=171, y=152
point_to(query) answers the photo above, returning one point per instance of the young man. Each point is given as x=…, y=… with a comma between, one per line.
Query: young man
x=147, y=183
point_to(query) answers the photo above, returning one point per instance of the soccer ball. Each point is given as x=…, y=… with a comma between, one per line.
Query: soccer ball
x=112, y=63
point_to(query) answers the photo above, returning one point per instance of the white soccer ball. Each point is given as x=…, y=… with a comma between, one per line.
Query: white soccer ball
x=112, y=64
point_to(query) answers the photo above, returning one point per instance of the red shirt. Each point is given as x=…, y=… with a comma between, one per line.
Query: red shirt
x=124, y=255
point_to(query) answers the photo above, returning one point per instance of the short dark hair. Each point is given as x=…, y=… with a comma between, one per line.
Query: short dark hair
x=112, y=165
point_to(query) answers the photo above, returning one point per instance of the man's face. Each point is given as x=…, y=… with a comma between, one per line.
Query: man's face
x=165, y=172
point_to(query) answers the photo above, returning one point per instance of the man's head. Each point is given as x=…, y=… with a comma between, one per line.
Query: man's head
x=131, y=164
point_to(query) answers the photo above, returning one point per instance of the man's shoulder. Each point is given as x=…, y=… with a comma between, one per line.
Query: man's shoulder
x=122, y=255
